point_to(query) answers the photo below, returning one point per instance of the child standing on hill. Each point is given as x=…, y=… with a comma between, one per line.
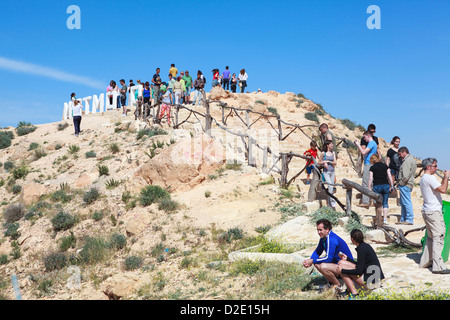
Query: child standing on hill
x=311, y=152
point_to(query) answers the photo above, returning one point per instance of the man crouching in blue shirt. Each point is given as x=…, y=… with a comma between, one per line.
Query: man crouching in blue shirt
x=331, y=244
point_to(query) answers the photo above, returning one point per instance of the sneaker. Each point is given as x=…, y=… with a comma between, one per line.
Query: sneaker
x=338, y=289
x=385, y=222
x=352, y=296
x=444, y=271
x=307, y=182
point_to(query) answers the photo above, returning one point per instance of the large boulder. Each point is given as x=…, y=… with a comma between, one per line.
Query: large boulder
x=184, y=164
x=31, y=192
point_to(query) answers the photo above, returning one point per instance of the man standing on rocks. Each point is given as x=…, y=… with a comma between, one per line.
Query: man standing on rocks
x=156, y=80
x=332, y=245
x=405, y=185
x=432, y=215
x=367, y=152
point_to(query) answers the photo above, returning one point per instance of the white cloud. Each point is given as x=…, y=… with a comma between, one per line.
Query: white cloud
x=25, y=67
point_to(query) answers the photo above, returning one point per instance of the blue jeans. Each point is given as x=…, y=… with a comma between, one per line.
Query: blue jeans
x=406, y=204
x=384, y=190
x=76, y=124
x=198, y=94
x=226, y=84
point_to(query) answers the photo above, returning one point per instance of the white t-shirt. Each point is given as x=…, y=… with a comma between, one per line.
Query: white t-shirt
x=77, y=110
x=432, y=200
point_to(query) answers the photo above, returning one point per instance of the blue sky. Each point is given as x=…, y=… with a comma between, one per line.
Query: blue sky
x=396, y=77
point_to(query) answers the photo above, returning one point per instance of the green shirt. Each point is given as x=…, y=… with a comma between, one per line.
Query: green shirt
x=188, y=81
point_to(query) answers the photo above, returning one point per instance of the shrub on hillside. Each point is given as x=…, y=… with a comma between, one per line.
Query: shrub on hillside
x=63, y=221
x=94, y=250
x=91, y=196
x=20, y=172
x=311, y=116
x=13, y=213
x=24, y=128
x=8, y=165
x=55, y=261
x=5, y=139
x=152, y=194
x=133, y=263
x=12, y=230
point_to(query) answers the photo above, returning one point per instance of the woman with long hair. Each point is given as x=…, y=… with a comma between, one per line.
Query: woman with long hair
x=243, y=80
x=381, y=179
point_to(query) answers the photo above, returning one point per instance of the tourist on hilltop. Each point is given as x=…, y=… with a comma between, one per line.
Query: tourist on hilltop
x=173, y=71
x=406, y=177
x=165, y=104
x=156, y=81
x=392, y=158
x=226, y=78
x=366, y=268
x=147, y=93
x=380, y=176
x=328, y=161
x=432, y=215
x=177, y=91
x=370, y=149
x=243, y=77
x=189, y=83
x=215, y=81
x=233, y=82
x=77, y=110
x=170, y=83
x=372, y=128
x=123, y=97
x=325, y=134
x=330, y=244
x=110, y=89
x=311, y=152
x=199, y=84
x=183, y=85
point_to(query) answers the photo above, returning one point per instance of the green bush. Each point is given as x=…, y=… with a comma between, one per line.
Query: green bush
x=73, y=149
x=90, y=154
x=117, y=241
x=25, y=129
x=12, y=230
x=152, y=194
x=95, y=250
x=33, y=146
x=16, y=189
x=3, y=259
x=61, y=196
x=63, y=221
x=8, y=165
x=114, y=148
x=311, y=116
x=20, y=172
x=133, y=263
x=168, y=205
x=91, y=196
x=62, y=126
x=150, y=132
x=103, y=170
x=97, y=216
x=55, y=261
x=67, y=242
x=349, y=124
x=5, y=139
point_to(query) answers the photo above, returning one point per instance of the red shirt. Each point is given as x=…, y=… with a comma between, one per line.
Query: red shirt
x=313, y=154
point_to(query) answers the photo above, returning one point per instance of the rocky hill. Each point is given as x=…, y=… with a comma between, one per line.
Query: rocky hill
x=130, y=210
